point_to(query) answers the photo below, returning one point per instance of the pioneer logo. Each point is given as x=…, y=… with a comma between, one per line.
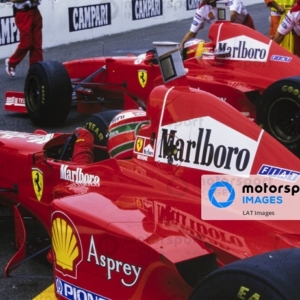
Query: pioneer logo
x=245, y=48
x=214, y=147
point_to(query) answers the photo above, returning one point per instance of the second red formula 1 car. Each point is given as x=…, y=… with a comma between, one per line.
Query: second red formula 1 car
x=127, y=224
x=239, y=65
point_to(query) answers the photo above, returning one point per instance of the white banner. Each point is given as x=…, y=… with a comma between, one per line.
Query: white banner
x=71, y=21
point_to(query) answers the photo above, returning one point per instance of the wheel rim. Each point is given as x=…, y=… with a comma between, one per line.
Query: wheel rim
x=284, y=119
x=32, y=94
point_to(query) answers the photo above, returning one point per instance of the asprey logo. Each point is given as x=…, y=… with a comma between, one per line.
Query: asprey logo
x=210, y=146
x=245, y=48
x=66, y=244
x=129, y=273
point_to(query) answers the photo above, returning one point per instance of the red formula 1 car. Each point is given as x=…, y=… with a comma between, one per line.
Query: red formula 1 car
x=239, y=65
x=128, y=224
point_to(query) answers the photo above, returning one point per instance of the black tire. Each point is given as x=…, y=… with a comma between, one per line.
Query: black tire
x=48, y=93
x=270, y=276
x=279, y=112
x=98, y=124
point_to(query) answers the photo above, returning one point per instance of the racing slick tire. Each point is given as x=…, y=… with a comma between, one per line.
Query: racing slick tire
x=273, y=275
x=279, y=112
x=48, y=93
x=98, y=124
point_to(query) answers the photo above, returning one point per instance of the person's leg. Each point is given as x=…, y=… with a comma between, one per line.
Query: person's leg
x=296, y=44
x=23, y=22
x=249, y=22
x=274, y=25
x=36, y=51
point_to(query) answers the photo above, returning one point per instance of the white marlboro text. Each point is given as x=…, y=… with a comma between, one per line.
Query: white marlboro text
x=211, y=146
x=78, y=176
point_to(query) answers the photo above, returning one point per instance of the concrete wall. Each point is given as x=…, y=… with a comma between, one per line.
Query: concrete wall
x=67, y=21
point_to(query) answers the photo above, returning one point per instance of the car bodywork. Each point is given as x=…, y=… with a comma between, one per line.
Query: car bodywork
x=237, y=64
x=132, y=228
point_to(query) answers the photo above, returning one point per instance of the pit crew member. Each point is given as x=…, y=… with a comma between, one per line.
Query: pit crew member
x=239, y=13
x=290, y=23
x=29, y=22
x=206, y=12
x=277, y=9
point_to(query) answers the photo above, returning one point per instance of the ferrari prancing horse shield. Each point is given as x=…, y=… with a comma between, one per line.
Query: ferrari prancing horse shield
x=139, y=144
x=142, y=75
x=38, y=182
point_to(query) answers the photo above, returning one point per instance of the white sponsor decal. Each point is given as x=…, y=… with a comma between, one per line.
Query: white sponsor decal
x=9, y=33
x=140, y=59
x=130, y=273
x=91, y=16
x=146, y=9
x=30, y=138
x=281, y=58
x=211, y=146
x=192, y=4
x=73, y=292
x=245, y=48
x=142, y=157
x=148, y=150
x=15, y=101
x=78, y=176
x=127, y=115
x=280, y=173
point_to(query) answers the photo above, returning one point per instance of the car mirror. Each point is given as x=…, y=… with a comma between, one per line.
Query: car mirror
x=39, y=157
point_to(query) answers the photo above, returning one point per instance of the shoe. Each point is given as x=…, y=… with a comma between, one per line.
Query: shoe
x=9, y=70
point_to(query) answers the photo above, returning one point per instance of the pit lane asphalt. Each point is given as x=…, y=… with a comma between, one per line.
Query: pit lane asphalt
x=34, y=275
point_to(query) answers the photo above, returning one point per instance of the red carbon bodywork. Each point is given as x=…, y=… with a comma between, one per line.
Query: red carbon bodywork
x=131, y=229
x=255, y=62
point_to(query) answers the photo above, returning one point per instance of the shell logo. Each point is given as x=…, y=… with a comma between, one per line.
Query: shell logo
x=66, y=244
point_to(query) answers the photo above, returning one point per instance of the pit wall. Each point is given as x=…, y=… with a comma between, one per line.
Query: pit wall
x=68, y=21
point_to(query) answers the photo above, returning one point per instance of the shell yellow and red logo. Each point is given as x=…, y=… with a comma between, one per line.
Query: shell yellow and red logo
x=66, y=244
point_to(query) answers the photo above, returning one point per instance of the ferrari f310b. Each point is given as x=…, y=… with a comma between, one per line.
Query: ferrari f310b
x=239, y=65
x=128, y=224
